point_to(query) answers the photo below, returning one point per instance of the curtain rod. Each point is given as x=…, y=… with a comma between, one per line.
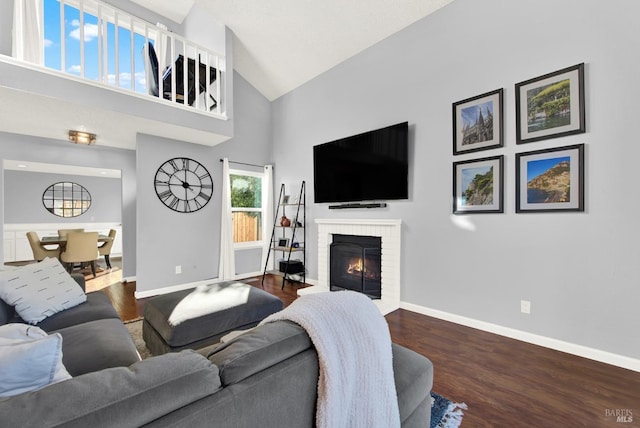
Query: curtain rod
x=243, y=163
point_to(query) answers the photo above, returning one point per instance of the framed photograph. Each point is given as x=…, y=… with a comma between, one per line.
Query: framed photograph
x=478, y=186
x=477, y=123
x=285, y=199
x=550, y=106
x=550, y=180
x=283, y=242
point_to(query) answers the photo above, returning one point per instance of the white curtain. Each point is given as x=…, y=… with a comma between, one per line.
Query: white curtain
x=28, y=27
x=267, y=219
x=227, y=268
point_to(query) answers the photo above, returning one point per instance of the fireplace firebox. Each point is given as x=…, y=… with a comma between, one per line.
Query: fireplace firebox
x=355, y=264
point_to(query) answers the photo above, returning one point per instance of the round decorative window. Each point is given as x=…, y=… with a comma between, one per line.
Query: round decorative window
x=66, y=199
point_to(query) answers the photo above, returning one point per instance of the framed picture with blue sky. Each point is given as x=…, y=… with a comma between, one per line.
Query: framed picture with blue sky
x=477, y=123
x=550, y=180
x=478, y=186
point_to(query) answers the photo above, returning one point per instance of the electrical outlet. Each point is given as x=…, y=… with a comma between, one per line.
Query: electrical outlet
x=525, y=306
x=178, y=269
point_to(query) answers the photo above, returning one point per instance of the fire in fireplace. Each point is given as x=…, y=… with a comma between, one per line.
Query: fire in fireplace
x=355, y=264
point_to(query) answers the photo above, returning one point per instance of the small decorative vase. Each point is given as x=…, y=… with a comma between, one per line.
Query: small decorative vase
x=285, y=222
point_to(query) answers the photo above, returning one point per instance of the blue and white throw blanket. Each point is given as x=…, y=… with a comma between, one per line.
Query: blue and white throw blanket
x=356, y=386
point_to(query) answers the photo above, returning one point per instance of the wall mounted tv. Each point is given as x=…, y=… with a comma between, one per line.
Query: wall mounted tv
x=371, y=166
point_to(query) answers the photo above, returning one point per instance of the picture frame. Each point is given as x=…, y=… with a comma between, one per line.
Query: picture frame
x=550, y=180
x=551, y=106
x=284, y=242
x=478, y=123
x=285, y=199
x=478, y=186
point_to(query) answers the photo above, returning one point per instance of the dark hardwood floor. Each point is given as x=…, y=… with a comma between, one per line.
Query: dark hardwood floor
x=505, y=382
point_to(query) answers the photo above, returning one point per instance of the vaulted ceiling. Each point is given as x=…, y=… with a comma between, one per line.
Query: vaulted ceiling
x=281, y=44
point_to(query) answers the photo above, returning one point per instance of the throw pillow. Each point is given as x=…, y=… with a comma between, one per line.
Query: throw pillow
x=29, y=359
x=40, y=290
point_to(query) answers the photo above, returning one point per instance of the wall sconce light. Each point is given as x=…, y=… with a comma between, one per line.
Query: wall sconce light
x=80, y=137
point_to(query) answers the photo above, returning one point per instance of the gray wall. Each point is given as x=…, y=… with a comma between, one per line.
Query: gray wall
x=28, y=148
x=166, y=238
x=578, y=270
x=23, y=198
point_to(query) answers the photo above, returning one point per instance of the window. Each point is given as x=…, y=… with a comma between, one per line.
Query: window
x=65, y=51
x=247, y=209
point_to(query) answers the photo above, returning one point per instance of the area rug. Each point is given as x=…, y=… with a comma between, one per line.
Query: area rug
x=444, y=413
x=135, y=330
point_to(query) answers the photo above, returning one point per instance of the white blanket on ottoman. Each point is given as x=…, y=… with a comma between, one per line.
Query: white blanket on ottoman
x=356, y=386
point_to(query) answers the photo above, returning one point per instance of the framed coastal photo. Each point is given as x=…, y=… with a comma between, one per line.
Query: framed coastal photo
x=478, y=186
x=550, y=180
x=550, y=106
x=477, y=123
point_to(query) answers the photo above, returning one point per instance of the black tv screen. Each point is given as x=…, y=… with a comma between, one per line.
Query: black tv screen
x=370, y=166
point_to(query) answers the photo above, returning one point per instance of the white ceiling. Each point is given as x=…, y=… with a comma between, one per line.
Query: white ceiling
x=278, y=46
x=281, y=44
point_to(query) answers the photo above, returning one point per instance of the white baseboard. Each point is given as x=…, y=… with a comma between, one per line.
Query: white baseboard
x=547, y=342
x=179, y=287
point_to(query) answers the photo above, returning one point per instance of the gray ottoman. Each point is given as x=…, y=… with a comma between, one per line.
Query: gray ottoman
x=199, y=317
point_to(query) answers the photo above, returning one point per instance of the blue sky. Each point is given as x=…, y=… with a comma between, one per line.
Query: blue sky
x=539, y=167
x=470, y=114
x=468, y=174
x=72, y=47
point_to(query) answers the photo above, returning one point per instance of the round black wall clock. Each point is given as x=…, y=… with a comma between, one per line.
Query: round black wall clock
x=183, y=184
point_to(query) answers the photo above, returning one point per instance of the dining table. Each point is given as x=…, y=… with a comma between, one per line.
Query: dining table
x=62, y=240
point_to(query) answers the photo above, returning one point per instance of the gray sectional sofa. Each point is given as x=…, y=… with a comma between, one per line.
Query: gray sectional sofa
x=266, y=377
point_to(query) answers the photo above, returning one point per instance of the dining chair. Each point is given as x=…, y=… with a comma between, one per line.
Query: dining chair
x=105, y=249
x=82, y=247
x=40, y=252
x=64, y=232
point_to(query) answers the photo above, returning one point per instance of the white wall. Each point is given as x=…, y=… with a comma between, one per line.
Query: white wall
x=577, y=269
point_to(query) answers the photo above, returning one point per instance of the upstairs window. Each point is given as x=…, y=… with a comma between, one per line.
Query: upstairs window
x=77, y=48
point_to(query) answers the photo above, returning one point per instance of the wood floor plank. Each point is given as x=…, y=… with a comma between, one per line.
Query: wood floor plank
x=505, y=382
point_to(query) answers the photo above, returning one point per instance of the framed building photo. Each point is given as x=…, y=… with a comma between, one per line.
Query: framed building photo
x=550, y=180
x=478, y=186
x=477, y=123
x=550, y=106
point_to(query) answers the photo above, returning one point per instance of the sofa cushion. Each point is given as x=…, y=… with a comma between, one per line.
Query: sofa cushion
x=413, y=376
x=258, y=350
x=29, y=359
x=40, y=290
x=117, y=397
x=97, y=307
x=97, y=345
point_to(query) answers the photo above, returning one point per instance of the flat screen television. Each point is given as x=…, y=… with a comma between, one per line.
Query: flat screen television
x=371, y=166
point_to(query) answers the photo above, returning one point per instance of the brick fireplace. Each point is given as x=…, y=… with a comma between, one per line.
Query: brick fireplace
x=389, y=232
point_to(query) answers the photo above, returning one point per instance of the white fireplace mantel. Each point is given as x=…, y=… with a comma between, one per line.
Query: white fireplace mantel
x=390, y=232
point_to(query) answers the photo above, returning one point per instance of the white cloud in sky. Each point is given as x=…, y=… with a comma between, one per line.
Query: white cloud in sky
x=90, y=31
x=48, y=43
x=75, y=69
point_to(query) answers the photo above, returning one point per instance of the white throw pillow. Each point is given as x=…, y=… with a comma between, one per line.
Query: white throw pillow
x=29, y=359
x=40, y=290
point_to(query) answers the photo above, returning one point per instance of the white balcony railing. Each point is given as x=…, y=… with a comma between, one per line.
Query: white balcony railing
x=96, y=41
